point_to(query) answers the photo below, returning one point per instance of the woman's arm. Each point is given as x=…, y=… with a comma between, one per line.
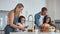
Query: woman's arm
x=10, y=20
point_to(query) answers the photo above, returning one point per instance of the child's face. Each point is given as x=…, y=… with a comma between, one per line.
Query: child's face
x=47, y=20
x=22, y=20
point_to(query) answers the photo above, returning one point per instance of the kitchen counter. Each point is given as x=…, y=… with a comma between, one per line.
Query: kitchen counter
x=34, y=33
x=21, y=32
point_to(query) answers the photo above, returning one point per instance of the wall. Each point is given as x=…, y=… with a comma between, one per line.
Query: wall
x=54, y=9
x=51, y=8
x=30, y=6
x=57, y=12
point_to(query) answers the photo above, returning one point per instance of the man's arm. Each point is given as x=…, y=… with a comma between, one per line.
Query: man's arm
x=37, y=20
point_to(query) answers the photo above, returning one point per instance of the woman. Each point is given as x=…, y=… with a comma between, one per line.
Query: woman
x=13, y=19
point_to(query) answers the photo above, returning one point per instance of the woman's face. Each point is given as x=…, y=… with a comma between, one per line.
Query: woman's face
x=19, y=9
x=47, y=20
x=22, y=20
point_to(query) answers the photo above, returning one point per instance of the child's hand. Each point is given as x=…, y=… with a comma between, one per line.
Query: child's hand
x=25, y=26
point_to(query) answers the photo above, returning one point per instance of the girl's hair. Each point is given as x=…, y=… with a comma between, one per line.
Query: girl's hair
x=45, y=18
x=19, y=20
x=20, y=5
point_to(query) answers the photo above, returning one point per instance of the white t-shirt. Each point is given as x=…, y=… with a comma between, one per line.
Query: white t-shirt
x=41, y=19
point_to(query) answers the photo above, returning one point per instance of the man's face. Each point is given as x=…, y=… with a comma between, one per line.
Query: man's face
x=44, y=12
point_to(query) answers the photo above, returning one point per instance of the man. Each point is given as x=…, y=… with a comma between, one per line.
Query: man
x=40, y=16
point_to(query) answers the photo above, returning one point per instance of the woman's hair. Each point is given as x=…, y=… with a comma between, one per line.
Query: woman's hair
x=20, y=5
x=45, y=18
x=19, y=20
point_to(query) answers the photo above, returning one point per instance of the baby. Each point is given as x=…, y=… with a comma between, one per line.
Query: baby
x=20, y=23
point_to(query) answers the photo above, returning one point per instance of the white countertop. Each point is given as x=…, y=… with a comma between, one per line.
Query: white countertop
x=34, y=33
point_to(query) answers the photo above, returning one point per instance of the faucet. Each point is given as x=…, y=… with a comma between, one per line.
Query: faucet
x=32, y=21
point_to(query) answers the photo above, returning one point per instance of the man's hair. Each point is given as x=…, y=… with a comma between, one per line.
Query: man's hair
x=44, y=9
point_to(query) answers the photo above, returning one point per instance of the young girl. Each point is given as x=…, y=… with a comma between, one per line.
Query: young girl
x=20, y=23
x=46, y=24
